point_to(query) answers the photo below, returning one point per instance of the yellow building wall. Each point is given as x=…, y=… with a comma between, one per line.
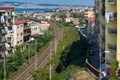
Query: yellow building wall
x=110, y=38
x=118, y=32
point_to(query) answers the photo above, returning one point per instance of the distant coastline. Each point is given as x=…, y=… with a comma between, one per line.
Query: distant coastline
x=20, y=10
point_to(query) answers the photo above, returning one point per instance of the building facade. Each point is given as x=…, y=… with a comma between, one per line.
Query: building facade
x=7, y=18
x=108, y=31
x=118, y=32
x=22, y=33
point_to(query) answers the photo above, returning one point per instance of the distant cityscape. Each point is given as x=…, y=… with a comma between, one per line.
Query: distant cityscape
x=38, y=5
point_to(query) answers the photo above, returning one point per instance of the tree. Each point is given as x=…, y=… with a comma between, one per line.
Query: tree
x=41, y=74
x=114, y=66
x=81, y=19
x=17, y=57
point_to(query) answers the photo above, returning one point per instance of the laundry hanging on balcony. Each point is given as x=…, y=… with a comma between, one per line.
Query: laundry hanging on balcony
x=2, y=19
x=110, y=15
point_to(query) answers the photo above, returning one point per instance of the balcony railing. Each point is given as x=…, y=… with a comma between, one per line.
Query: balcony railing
x=112, y=47
x=92, y=70
x=112, y=31
x=27, y=33
x=111, y=1
x=26, y=27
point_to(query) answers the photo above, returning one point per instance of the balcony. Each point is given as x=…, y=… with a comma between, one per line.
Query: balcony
x=3, y=40
x=26, y=27
x=8, y=47
x=3, y=32
x=113, y=16
x=112, y=47
x=112, y=31
x=8, y=39
x=1, y=26
x=27, y=32
x=9, y=23
x=111, y=1
x=10, y=32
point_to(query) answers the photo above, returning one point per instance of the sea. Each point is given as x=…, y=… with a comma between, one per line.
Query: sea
x=21, y=10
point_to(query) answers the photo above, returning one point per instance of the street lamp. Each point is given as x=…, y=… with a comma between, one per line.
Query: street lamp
x=100, y=55
x=32, y=39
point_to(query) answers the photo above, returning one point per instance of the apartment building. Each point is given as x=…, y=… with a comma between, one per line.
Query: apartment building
x=89, y=13
x=35, y=28
x=22, y=33
x=109, y=31
x=107, y=23
x=118, y=32
x=6, y=29
x=44, y=25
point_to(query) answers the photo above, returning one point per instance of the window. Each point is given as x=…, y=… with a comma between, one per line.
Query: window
x=17, y=42
x=21, y=26
x=17, y=34
x=21, y=34
x=20, y=40
x=17, y=27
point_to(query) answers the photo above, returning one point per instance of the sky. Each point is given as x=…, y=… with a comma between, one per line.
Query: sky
x=64, y=2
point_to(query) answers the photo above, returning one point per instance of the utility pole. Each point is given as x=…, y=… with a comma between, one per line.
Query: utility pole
x=50, y=70
x=29, y=51
x=55, y=45
x=35, y=54
x=61, y=34
x=4, y=66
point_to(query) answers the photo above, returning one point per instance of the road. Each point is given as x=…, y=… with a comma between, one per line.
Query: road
x=43, y=57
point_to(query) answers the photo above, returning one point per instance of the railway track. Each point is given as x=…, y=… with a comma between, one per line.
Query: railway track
x=43, y=57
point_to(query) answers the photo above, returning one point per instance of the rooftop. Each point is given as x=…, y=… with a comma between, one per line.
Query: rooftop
x=7, y=8
x=36, y=35
x=90, y=19
x=17, y=22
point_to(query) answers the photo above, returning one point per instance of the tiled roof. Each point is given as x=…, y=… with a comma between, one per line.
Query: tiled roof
x=17, y=22
x=36, y=35
x=7, y=8
x=90, y=19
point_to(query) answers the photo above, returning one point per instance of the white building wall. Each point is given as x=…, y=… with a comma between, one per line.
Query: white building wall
x=18, y=34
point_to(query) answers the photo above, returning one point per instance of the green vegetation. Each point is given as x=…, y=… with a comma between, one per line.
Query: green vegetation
x=75, y=15
x=65, y=24
x=41, y=74
x=63, y=16
x=70, y=56
x=17, y=56
x=81, y=19
x=114, y=66
x=20, y=60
